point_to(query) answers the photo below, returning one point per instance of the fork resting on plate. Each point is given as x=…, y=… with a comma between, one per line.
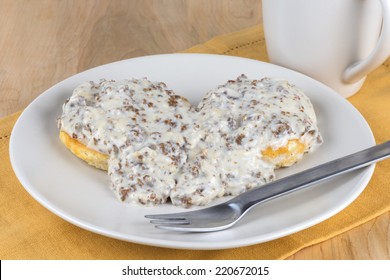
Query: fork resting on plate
x=225, y=215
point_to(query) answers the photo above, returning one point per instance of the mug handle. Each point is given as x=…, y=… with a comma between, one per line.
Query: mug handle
x=358, y=70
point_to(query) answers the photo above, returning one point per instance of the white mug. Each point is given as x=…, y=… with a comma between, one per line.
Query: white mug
x=337, y=42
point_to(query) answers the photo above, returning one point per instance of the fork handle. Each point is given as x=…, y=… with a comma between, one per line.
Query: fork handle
x=313, y=175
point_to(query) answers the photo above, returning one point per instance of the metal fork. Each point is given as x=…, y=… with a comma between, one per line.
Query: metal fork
x=225, y=215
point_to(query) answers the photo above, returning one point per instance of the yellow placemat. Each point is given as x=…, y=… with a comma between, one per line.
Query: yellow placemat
x=29, y=231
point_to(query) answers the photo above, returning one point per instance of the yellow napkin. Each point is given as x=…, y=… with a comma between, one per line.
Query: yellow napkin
x=29, y=231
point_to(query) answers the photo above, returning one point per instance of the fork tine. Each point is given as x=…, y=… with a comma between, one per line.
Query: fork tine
x=176, y=228
x=191, y=228
x=181, y=215
x=171, y=217
x=170, y=222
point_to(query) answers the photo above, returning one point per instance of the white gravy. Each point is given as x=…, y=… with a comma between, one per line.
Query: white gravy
x=161, y=147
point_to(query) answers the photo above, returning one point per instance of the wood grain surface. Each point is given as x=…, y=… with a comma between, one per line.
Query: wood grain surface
x=43, y=42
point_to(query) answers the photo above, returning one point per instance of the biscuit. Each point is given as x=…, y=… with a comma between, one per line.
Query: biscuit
x=90, y=156
x=156, y=146
x=286, y=155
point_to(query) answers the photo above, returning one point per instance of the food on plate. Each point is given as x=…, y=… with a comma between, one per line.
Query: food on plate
x=248, y=128
x=157, y=147
x=92, y=157
x=136, y=129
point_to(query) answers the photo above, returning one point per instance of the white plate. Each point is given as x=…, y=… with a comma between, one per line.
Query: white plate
x=79, y=193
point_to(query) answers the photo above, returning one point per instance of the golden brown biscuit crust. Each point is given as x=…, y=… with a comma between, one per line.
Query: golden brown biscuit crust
x=286, y=155
x=281, y=157
x=92, y=157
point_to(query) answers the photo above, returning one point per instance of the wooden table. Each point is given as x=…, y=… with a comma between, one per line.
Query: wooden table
x=43, y=42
